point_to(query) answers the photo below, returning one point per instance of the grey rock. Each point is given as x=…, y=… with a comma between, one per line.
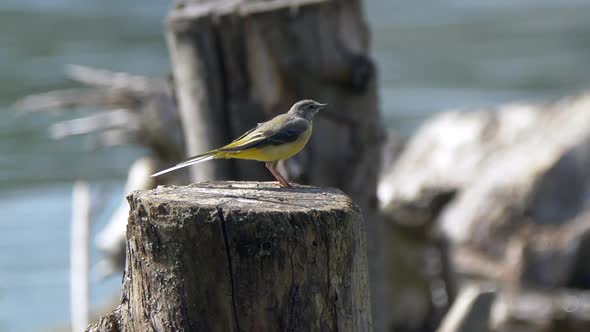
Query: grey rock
x=547, y=311
x=509, y=189
x=508, y=185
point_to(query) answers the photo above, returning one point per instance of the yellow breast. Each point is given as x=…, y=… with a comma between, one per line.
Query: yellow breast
x=275, y=152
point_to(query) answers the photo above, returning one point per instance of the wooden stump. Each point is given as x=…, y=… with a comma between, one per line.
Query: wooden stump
x=243, y=256
x=240, y=62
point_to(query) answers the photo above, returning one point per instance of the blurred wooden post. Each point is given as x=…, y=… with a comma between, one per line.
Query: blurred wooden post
x=199, y=90
x=79, y=256
x=237, y=63
x=243, y=256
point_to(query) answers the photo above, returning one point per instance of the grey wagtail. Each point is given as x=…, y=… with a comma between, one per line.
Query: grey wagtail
x=277, y=139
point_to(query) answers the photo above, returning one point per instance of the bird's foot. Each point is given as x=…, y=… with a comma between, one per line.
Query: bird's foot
x=285, y=184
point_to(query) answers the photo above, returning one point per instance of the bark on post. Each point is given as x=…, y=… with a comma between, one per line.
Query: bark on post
x=243, y=256
x=240, y=62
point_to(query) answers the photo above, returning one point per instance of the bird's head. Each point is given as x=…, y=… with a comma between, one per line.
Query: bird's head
x=307, y=108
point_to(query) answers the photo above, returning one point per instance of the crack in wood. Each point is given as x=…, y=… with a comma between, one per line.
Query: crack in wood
x=292, y=286
x=229, y=264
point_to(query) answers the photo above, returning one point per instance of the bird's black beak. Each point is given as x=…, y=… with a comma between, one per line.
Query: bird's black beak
x=323, y=106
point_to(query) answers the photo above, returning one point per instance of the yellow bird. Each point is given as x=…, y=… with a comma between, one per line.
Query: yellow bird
x=277, y=139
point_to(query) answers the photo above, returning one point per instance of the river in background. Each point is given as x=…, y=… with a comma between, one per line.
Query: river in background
x=432, y=56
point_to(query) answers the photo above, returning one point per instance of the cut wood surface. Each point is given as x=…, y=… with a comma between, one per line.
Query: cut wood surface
x=243, y=256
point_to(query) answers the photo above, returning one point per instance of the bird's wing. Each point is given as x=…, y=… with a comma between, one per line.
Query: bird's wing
x=252, y=135
x=246, y=133
x=269, y=133
x=280, y=130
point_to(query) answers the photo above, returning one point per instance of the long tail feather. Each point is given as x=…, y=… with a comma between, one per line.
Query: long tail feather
x=194, y=160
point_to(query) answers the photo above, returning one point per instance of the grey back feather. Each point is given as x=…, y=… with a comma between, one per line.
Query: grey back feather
x=280, y=130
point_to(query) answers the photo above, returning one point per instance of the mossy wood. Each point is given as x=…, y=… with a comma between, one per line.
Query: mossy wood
x=243, y=256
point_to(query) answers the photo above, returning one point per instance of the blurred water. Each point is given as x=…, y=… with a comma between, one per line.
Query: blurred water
x=38, y=38
x=456, y=54
x=431, y=56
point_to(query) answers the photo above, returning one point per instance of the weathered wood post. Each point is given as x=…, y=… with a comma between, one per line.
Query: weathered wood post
x=243, y=256
x=240, y=62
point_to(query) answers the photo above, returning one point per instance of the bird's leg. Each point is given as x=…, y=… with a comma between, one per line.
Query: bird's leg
x=271, y=167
